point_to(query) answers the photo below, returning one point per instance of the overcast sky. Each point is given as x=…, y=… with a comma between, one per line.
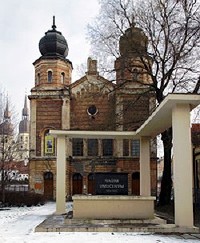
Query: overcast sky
x=23, y=23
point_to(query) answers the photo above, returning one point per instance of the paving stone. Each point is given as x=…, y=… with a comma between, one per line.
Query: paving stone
x=189, y=236
x=196, y=235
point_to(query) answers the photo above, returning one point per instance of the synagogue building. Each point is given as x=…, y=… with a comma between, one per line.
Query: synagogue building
x=91, y=103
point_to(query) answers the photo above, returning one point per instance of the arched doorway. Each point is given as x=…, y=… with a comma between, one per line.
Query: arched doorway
x=91, y=184
x=136, y=183
x=48, y=185
x=77, y=183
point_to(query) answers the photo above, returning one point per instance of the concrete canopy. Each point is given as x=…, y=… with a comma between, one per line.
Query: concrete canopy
x=159, y=121
x=173, y=112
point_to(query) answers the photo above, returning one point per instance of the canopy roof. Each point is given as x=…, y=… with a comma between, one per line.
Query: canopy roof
x=159, y=121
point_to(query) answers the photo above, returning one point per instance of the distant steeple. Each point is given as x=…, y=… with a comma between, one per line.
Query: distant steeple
x=25, y=111
x=24, y=123
x=7, y=114
x=6, y=127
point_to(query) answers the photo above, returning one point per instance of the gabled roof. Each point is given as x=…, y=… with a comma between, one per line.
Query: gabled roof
x=92, y=79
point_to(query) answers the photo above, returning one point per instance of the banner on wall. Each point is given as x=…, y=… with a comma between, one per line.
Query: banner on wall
x=49, y=144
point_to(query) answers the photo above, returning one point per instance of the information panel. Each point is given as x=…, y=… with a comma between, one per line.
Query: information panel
x=111, y=183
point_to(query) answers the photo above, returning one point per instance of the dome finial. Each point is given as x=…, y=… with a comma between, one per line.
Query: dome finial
x=54, y=25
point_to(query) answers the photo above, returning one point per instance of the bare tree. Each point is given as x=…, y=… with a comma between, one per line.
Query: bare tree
x=8, y=144
x=172, y=30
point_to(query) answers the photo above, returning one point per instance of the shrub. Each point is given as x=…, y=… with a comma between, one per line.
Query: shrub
x=23, y=199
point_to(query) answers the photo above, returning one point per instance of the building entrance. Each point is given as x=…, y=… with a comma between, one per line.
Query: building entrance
x=48, y=185
x=77, y=183
x=136, y=183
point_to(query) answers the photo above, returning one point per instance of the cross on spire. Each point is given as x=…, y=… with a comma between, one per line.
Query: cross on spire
x=54, y=25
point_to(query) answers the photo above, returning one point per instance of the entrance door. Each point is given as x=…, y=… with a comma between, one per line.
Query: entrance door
x=136, y=183
x=77, y=183
x=48, y=185
x=91, y=184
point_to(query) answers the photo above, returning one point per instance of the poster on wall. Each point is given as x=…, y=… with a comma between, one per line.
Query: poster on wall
x=49, y=144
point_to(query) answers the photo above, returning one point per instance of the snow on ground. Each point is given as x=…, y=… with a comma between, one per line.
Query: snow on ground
x=17, y=226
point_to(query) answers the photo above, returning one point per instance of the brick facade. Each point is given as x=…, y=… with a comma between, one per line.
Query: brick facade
x=90, y=103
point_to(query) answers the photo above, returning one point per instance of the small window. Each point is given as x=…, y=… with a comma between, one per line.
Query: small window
x=135, y=73
x=77, y=147
x=62, y=77
x=49, y=76
x=135, y=148
x=38, y=79
x=92, y=147
x=107, y=147
x=125, y=147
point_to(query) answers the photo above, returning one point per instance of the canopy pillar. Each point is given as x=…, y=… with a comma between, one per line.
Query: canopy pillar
x=182, y=165
x=145, y=179
x=61, y=175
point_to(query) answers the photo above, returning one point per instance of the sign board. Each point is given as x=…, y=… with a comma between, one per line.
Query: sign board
x=49, y=144
x=111, y=183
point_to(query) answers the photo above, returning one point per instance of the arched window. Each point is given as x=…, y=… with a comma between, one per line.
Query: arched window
x=49, y=144
x=37, y=80
x=62, y=77
x=49, y=76
x=135, y=74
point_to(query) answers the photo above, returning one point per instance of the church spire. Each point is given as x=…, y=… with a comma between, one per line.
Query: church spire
x=24, y=123
x=25, y=111
x=7, y=114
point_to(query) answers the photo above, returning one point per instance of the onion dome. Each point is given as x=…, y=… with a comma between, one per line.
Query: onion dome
x=53, y=43
x=133, y=41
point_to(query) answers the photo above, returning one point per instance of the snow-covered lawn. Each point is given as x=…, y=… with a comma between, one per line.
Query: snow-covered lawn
x=17, y=226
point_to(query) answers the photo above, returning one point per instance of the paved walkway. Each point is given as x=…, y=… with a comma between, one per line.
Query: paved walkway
x=65, y=223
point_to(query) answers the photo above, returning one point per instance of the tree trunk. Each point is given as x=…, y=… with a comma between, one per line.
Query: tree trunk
x=166, y=183
x=3, y=187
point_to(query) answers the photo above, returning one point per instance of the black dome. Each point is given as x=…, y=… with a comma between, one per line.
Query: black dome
x=53, y=43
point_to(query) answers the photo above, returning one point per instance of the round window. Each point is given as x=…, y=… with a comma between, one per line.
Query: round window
x=92, y=110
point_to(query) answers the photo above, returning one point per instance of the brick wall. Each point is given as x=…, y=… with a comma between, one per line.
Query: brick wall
x=48, y=115
x=103, y=120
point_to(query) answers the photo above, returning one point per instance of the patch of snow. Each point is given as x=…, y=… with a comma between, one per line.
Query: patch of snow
x=17, y=225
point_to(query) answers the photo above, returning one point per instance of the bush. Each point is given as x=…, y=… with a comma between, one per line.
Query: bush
x=23, y=199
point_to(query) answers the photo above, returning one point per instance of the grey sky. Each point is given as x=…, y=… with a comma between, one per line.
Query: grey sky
x=23, y=23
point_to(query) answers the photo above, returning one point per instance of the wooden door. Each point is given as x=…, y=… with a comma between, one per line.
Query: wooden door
x=136, y=183
x=48, y=185
x=91, y=184
x=77, y=184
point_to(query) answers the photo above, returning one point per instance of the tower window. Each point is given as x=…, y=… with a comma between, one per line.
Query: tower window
x=135, y=74
x=49, y=76
x=62, y=77
x=37, y=79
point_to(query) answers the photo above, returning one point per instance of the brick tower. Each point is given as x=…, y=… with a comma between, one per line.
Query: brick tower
x=134, y=99
x=49, y=106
